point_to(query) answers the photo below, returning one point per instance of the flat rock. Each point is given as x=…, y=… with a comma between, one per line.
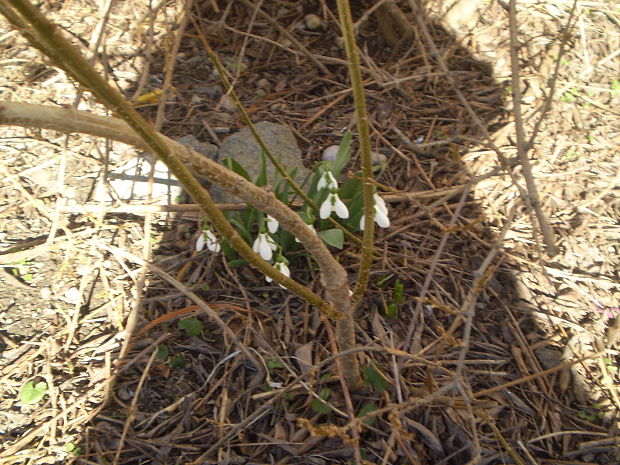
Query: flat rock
x=243, y=148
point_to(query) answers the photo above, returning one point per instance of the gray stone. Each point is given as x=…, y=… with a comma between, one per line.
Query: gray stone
x=243, y=148
x=208, y=150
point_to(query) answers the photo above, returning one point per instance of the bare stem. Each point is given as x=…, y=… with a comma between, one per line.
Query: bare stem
x=361, y=116
x=522, y=145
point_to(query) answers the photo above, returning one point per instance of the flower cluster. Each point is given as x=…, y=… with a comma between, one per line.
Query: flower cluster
x=265, y=246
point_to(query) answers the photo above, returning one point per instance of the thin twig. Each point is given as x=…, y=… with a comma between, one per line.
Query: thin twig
x=522, y=144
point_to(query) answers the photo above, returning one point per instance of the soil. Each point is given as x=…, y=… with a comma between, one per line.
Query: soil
x=495, y=351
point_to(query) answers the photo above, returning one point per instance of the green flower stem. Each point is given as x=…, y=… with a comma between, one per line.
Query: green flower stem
x=346, y=24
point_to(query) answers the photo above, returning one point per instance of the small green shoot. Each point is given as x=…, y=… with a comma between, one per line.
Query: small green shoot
x=391, y=310
x=192, y=326
x=318, y=405
x=367, y=408
x=373, y=378
x=178, y=361
x=32, y=393
x=274, y=364
x=163, y=351
x=73, y=448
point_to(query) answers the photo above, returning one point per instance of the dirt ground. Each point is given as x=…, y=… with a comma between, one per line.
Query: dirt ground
x=529, y=376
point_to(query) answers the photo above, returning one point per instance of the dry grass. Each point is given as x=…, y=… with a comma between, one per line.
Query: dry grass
x=499, y=353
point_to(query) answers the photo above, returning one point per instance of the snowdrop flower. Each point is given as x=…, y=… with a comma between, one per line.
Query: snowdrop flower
x=282, y=267
x=327, y=181
x=311, y=227
x=208, y=238
x=333, y=204
x=264, y=246
x=381, y=213
x=272, y=224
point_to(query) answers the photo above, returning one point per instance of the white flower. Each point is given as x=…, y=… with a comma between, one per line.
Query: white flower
x=272, y=224
x=333, y=204
x=311, y=227
x=264, y=246
x=327, y=181
x=208, y=238
x=381, y=214
x=282, y=268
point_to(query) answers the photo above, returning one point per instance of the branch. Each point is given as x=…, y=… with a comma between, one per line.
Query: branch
x=69, y=120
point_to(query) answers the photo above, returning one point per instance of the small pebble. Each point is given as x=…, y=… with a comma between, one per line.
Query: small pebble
x=82, y=270
x=313, y=21
x=377, y=158
x=262, y=83
x=329, y=154
x=72, y=294
x=227, y=103
x=46, y=293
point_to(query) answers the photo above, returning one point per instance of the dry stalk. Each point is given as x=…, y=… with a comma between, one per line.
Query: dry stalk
x=522, y=143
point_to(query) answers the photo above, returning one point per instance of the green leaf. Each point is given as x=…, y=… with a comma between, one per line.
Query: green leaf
x=398, y=292
x=372, y=377
x=177, y=361
x=162, y=352
x=350, y=188
x=237, y=262
x=261, y=180
x=234, y=165
x=391, y=311
x=73, y=448
x=243, y=229
x=192, y=326
x=318, y=405
x=382, y=280
x=343, y=156
x=333, y=237
x=32, y=393
x=367, y=408
x=274, y=363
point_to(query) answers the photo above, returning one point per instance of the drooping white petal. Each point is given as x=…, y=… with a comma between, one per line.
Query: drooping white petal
x=271, y=242
x=340, y=208
x=256, y=245
x=380, y=204
x=326, y=207
x=327, y=181
x=263, y=247
x=381, y=218
x=272, y=224
x=200, y=242
x=282, y=268
x=362, y=222
x=213, y=244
